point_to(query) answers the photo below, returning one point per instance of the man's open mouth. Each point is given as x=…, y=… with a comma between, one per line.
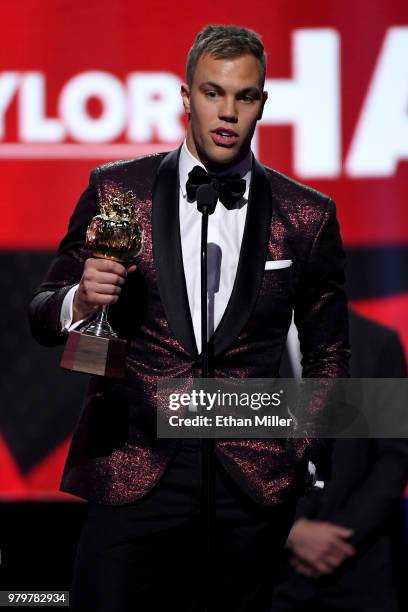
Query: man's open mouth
x=224, y=137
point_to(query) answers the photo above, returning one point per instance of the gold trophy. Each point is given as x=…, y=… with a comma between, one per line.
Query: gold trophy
x=114, y=234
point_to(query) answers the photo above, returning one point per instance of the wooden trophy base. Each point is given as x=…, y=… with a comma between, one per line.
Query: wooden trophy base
x=94, y=355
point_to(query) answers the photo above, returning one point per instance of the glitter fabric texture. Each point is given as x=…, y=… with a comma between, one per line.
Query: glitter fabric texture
x=115, y=456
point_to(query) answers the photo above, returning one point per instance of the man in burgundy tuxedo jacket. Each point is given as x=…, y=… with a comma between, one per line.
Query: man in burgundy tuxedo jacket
x=289, y=256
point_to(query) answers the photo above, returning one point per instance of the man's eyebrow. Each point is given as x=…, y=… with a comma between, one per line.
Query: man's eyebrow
x=241, y=92
x=212, y=84
x=247, y=90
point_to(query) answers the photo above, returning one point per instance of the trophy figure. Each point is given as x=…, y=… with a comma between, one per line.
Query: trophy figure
x=114, y=234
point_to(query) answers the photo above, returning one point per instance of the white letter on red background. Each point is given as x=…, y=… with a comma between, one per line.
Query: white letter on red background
x=311, y=102
x=381, y=137
x=73, y=107
x=34, y=126
x=9, y=82
x=155, y=107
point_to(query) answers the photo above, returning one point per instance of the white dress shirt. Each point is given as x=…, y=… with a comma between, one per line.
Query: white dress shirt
x=225, y=231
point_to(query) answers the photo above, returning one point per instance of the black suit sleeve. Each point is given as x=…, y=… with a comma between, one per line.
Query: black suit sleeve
x=308, y=505
x=64, y=272
x=368, y=507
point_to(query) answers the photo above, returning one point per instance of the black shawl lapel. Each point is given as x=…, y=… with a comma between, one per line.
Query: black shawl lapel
x=167, y=253
x=251, y=261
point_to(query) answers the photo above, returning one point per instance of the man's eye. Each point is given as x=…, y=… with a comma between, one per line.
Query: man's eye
x=248, y=98
x=211, y=94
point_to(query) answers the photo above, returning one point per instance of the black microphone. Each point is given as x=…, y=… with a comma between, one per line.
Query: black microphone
x=214, y=255
x=207, y=197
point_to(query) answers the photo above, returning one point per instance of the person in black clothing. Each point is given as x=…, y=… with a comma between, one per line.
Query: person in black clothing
x=341, y=543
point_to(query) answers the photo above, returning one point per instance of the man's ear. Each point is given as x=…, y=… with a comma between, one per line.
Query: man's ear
x=185, y=95
x=264, y=99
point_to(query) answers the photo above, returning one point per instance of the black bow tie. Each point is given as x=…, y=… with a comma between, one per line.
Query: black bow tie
x=230, y=188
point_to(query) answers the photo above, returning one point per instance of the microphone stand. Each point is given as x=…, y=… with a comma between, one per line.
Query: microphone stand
x=207, y=198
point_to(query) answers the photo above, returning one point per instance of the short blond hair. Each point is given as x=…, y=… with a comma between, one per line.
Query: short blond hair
x=225, y=42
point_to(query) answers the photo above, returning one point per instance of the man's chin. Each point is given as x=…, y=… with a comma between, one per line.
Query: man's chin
x=223, y=157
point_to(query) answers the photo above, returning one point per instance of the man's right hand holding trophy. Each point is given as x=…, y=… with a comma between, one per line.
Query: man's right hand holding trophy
x=101, y=284
x=114, y=238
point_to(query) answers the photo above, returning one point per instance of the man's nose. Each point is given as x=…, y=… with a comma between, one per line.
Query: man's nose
x=228, y=110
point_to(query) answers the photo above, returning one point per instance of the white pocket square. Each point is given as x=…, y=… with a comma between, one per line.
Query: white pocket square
x=277, y=264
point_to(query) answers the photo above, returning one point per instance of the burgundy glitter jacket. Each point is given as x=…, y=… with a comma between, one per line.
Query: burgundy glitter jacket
x=115, y=455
